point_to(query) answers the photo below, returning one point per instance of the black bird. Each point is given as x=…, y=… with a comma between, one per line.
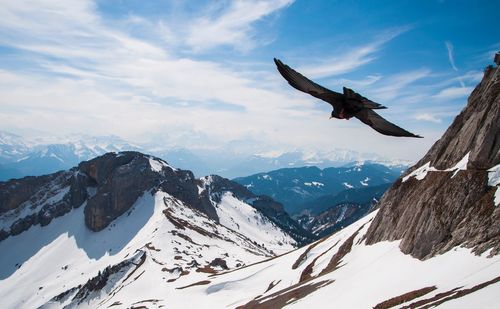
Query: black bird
x=345, y=106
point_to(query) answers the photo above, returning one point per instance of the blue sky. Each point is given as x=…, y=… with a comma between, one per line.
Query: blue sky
x=199, y=74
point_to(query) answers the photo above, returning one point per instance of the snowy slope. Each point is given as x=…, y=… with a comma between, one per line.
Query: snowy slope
x=44, y=262
x=356, y=283
x=336, y=271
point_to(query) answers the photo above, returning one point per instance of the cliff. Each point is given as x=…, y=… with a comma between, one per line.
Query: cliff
x=447, y=198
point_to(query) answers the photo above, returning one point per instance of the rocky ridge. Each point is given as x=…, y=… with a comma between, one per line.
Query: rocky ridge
x=446, y=199
x=109, y=185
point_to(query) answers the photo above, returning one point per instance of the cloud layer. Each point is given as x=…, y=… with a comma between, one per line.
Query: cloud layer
x=73, y=69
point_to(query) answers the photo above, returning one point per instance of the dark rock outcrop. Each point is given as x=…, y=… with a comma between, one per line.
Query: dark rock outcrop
x=124, y=177
x=444, y=210
x=17, y=191
x=109, y=184
x=218, y=262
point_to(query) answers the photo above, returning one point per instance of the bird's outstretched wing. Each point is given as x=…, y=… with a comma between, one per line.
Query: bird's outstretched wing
x=381, y=125
x=302, y=83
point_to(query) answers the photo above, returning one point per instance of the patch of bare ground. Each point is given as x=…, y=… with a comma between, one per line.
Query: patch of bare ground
x=146, y=301
x=168, y=213
x=182, y=273
x=344, y=249
x=256, y=263
x=204, y=282
x=185, y=237
x=156, y=261
x=272, y=285
x=283, y=297
x=206, y=269
x=142, y=259
x=440, y=298
x=183, y=224
x=403, y=298
x=306, y=273
x=335, y=260
x=303, y=256
x=150, y=246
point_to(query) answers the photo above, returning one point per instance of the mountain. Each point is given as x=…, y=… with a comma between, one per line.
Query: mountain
x=237, y=164
x=365, y=195
x=27, y=157
x=446, y=199
x=83, y=228
x=299, y=188
x=21, y=156
x=330, y=213
x=12, y=147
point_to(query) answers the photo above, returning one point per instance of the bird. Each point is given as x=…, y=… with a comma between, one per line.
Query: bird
x=345, y=105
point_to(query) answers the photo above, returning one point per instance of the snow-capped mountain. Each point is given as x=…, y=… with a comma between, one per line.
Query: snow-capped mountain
x=12, y=147
x=294, y=187
x=33, y=157
x=125, y=211
x=241, y=166
x=21, y=156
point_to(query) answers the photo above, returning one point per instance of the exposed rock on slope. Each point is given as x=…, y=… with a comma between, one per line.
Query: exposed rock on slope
x=152, y=224
x=446, y=200
x=111, y=184
x=215, y=187
x=122, y=178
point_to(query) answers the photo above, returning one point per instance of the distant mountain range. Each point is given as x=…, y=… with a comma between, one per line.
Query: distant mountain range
x=20, y=156
x=330, y=213
x=312, y=189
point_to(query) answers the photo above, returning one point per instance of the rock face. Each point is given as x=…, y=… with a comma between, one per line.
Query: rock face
x=121, y=179
x=36, y=198
x=445, y=207
x=109, y=185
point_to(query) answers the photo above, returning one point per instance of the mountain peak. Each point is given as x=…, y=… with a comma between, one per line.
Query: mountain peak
x=446, y=199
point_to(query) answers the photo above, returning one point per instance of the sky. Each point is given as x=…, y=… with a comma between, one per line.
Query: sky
x=200, y=74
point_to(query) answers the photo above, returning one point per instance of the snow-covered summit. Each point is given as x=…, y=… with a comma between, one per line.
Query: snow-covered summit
x=119, y=212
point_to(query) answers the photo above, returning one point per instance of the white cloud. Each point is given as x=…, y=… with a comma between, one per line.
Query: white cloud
x=351, y=59
x=451, y=58
x=396, y=85
x=88, y=76
x=232, y=26
x=453, y=93
x=428, y=117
